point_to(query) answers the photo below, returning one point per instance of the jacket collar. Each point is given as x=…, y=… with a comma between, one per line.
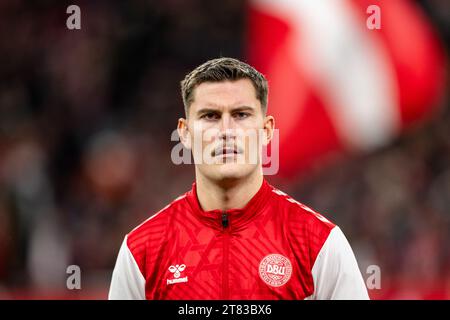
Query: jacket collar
x=235, y=218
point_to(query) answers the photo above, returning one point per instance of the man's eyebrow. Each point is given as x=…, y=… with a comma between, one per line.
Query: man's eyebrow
x=242, y=108
x=207, y=110
x=212, y=110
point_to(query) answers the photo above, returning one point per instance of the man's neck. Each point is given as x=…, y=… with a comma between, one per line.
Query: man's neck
x=227, y=195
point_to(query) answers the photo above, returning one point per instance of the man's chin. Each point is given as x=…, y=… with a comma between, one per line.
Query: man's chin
x=227, y=171
x=232, y=171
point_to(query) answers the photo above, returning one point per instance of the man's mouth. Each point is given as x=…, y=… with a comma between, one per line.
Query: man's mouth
x=226, y=151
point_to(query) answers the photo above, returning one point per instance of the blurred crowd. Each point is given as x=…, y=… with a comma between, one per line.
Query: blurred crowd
x=86, y=118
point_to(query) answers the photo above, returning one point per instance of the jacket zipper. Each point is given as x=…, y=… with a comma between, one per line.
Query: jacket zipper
x=226, y=243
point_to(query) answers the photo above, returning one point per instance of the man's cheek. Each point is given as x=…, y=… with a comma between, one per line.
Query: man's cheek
x=251, y=147
x=207, y=154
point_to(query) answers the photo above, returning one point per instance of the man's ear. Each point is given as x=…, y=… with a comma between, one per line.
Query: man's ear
x=269, y=127
x=183, y=132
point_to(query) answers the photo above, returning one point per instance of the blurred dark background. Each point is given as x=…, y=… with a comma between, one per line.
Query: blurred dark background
x=85, y=123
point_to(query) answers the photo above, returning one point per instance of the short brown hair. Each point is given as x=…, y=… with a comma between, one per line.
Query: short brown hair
x=222, y=69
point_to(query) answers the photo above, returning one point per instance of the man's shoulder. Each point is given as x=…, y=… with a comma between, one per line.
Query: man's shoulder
x=156, y=224
x=306, y=229
x=298, y=213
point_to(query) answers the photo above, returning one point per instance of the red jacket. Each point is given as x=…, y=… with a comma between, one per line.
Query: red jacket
x=273, y=248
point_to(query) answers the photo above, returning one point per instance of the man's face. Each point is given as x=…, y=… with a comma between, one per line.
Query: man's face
x=226, y=128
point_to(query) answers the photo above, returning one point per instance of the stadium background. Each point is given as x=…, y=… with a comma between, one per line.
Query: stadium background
x=85, y=123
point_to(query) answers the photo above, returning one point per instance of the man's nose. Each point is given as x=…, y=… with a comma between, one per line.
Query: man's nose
x=227, y=125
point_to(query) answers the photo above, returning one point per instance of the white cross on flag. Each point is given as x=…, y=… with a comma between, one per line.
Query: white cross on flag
x=336, y=85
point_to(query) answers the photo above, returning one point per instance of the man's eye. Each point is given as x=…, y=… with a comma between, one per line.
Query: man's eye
x=241, y=115
x=210, y=116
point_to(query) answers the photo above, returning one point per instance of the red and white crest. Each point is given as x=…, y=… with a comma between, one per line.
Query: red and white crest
x=275, y=270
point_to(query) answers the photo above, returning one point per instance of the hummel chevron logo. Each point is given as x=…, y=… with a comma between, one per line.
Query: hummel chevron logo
x=176, y=270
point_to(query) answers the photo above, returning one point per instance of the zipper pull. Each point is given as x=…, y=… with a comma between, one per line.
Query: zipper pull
x=225, y=219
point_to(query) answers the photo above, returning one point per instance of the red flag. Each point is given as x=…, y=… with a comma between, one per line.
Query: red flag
x=335, y=84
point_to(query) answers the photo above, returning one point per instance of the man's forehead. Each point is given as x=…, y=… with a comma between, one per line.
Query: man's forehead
x=239, y=89
x=224, y=96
